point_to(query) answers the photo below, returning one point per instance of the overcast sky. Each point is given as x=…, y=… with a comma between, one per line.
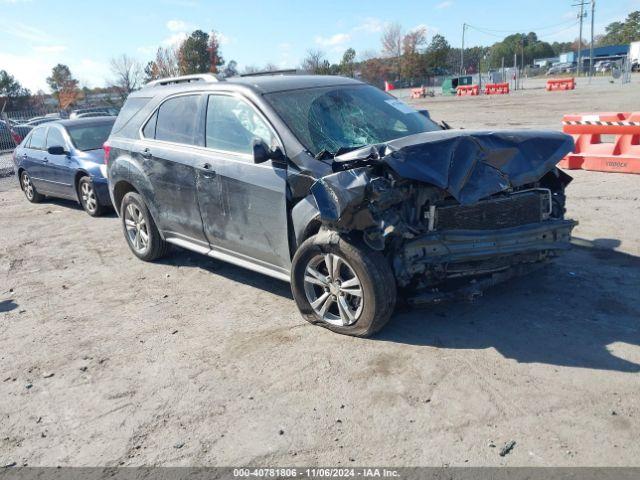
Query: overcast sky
x=37, y=34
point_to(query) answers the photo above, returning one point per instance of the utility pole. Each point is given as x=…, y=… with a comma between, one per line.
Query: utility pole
x=593, y=14
x=464, y=27
x=581, y=16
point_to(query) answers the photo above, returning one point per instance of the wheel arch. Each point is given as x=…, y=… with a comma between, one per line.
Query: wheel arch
x=76, y=182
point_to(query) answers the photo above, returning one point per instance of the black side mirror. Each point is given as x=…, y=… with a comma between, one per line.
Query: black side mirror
x=262, y=152
x=56, y=150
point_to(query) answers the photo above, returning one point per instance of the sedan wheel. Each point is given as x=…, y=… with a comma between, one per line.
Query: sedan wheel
x=88, y=197
x=29, y=189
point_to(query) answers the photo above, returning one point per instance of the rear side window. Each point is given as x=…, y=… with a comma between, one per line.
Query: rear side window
x=177, y=120
x=129, y=109
x=149, y=130
x=38, y=138
x=55, y=138
x=27, y=140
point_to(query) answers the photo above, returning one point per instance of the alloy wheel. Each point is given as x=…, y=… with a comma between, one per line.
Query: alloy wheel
x=88, y=195
x=333, y=289
x=27, y=186
x=136, y=227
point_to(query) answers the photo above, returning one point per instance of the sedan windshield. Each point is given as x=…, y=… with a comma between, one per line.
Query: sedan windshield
x=339, y=118
x=89, y=137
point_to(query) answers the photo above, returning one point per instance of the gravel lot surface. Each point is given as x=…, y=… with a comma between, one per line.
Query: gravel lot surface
x=106, y=360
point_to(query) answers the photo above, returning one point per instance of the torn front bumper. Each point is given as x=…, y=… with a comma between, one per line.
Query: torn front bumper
x=443, y=256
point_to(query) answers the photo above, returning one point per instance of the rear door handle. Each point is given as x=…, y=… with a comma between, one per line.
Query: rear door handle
x=45, y=160
x=146, y=153
x=209, y=172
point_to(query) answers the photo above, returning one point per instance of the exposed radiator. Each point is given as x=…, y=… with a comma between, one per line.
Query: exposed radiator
x=501, y=212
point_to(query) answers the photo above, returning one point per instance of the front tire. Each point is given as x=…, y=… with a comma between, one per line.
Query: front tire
x=140, y=230
x=29, y=188
x=89, y=198
x=343, y=286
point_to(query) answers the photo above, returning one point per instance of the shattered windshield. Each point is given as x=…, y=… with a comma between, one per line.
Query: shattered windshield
x=339, y=118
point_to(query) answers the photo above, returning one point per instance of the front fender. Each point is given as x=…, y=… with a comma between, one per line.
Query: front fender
x=303, y=217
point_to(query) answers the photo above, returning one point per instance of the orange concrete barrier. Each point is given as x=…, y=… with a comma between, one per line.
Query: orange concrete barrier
x=464, y=90
x=591, y=153
x=418, y=92
x=561, y=84
x=496, y=89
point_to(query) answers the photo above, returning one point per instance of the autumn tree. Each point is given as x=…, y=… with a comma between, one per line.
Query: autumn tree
x=127, y=73
x=193, y=53
x=165, y=65
x=63, y=85
x=215, y=57
x=411, y=63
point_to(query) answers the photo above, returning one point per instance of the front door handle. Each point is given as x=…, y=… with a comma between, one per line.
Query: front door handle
x=45, y=160
x=146, y=153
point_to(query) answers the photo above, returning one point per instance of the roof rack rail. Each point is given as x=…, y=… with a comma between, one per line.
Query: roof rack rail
x=290, y=71
x=198, y=77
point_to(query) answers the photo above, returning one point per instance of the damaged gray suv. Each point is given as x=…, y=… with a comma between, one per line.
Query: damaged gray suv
x=337, y=187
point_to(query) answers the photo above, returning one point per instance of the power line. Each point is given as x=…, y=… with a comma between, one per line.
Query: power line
x=566, y=22
x=549, y=34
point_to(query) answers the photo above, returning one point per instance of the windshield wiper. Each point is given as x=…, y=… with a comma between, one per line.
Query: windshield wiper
x=325, y=154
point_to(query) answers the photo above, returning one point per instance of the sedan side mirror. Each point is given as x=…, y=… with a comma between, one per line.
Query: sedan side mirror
x=262, y=152
x=56, y=150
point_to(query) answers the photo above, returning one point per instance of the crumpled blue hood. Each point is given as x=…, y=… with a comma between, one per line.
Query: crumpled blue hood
x=472, y=165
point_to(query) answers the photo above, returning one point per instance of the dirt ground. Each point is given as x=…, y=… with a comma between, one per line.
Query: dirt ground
x=106, y=360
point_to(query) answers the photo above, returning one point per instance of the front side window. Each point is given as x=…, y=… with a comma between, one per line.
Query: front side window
x=38, y=138
x=89, y=137
x=177, y=120
x=336, y=118
x=232, y=125
x=55, y=138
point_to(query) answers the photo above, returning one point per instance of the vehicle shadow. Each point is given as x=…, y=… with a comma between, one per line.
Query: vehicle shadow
x=7, y=305
x=72, y=204
x=569, y=313
x=184, y=258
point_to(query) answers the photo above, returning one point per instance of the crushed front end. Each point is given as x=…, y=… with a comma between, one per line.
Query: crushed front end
x=454, y=212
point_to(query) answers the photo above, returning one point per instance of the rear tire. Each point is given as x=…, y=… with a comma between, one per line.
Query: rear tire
x=140, y=230
x=357, y=298
x=88, y=197
x=29, y=188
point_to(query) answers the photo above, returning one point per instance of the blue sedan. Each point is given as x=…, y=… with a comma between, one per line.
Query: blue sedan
x=65, y=159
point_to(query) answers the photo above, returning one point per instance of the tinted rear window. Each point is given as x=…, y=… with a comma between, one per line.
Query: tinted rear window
x=89, y=137
x=129, y=109
x=177, y=119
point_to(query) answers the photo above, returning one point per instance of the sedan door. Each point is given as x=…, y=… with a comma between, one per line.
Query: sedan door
x=61, y=168
x=243, y=204
x=36, y=162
